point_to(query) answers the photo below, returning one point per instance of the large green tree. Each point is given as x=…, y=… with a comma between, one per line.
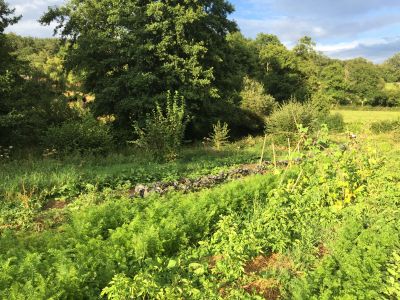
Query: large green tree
x=391, y=68
x=333, y=83
x=280, y=73
x=8, y=63
x=364, y=80
x=132, y=52
x=26, y=91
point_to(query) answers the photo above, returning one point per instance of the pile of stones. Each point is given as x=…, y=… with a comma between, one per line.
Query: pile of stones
x=187, y=185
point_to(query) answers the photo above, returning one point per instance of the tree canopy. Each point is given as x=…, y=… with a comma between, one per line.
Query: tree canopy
x=132, y=52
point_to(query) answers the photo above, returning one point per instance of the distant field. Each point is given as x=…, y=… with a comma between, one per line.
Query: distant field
x=355, y=116
x=392, y=86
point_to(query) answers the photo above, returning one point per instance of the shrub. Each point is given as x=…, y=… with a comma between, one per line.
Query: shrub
x=284, y=122
x=220, y=135
x=255, y=100
x=321, y=102
x=163, y=132
x=385, y=126
x=334, y=122
x=84, y=135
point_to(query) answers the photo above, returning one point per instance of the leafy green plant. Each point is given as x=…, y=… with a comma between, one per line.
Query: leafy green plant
x=321, y=102
x=334, y=122
x=220, y=135
x=255, y=99
x=84, y=135
x=283, y=123
x=385, y=126
x=163, y=132
x=392, y=289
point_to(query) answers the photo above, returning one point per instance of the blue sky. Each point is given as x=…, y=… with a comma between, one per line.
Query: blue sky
x=341, y=28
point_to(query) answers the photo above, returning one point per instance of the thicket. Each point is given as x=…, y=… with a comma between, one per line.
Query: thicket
x=84, y=135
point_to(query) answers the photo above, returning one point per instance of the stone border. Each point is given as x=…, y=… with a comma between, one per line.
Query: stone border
x=188, y=185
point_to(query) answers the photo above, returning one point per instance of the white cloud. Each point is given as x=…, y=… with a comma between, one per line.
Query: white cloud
x=376, y=50
x=287, y=29
x=338, y=47
x=31, y=28
x=31, y=11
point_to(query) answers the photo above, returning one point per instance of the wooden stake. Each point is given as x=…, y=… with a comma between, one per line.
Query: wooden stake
x=274, y=154
x=263, y=149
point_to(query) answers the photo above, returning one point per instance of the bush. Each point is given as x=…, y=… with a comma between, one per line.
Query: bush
x=220, y=135
x=321, y=102
x=284, y=122
x=385, y=126
x=163, y=132
x=84, y=135
x=334, y=122
x=255, y=100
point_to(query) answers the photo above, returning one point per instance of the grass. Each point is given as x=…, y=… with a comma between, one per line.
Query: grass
x=365, y=117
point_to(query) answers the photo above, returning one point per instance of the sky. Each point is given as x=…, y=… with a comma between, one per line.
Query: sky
x=341, y=28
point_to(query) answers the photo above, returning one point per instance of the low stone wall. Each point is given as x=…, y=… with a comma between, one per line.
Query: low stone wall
x=191, y=185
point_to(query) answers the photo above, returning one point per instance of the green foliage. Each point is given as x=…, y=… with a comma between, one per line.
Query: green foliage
x=363, y=78
x=325, y=228
x=305, y=47
x=391, y=68
x=80, y=261
x=254, y=98
x=280, y=72
x=163, y=132
x=321, y=102
x=82, y=135
x=385, y=126
x=335, y=122
x=220, y=135
x=130, y=62
x=334, y=83
x=28, y=92
x=284, y=122
x=392, y=289
x=295, y=217
x=391, y=95
x=7, y=16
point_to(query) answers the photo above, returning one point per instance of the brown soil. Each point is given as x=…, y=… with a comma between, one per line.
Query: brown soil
x=212, y=260
x=54, y=204
x=274, y=261
x=322, y=251
x=268, y=288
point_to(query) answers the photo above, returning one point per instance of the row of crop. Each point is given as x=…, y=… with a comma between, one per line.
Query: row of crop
x=81, y=257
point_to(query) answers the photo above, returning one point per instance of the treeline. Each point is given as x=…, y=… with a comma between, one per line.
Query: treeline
x=120, y=61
